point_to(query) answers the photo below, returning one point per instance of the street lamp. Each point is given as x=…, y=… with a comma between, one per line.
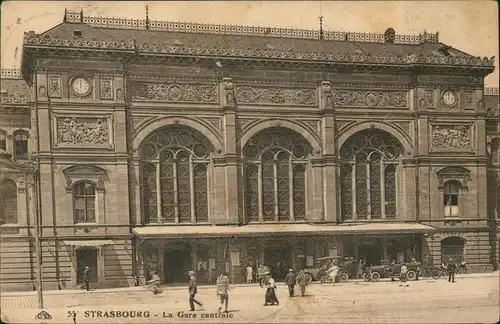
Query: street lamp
x=38, y=247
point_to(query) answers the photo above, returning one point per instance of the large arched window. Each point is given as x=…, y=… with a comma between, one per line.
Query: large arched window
x=8, y=202
x=275, y=169
x=84, y=202
x=175, y=166
x=368, y=176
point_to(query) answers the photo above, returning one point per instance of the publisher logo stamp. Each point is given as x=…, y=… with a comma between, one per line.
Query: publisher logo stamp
x=43, y=315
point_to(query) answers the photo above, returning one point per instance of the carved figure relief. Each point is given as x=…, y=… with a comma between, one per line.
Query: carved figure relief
x=174, y=92
x=427, y=102
x=469, y=100
x=42, y=92
x=350, y=98
x=451, y=137
x=106, y=87
x=54, y=86
x=119, y=94
x=82, y=130
x=265, y=95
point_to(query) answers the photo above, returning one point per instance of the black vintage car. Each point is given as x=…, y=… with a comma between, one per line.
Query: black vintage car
x=375, y=273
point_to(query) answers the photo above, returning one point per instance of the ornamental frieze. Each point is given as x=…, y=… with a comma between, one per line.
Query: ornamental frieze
x=88, y=131
x=172, y=92
x=361, y=98
x=276, y=96
x=454, y=137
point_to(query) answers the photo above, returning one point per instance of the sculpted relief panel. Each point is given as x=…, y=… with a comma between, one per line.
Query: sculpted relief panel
x=174, y=92
x=361, y=98
x=85, y=131
x=274, y=95
x=451, y=137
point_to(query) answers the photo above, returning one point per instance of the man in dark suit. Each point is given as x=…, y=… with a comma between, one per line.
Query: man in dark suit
x=192, y=290
x=290, y=281
x=452, y=267
x=86, y=278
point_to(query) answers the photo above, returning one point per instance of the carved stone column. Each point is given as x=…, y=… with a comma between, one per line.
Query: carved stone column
x=331, y=211
x=230, y=163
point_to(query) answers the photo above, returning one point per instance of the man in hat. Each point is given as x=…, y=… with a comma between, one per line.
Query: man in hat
x=86, y=278
x=403, y=275
x=290, y=281
x=452, y=267
x=192, y=291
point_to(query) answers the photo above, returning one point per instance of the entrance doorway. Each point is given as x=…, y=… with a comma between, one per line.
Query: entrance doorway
x=86, y=257
x=453, y=248
x=278, y=259
x=371, y=253
x=177, y=265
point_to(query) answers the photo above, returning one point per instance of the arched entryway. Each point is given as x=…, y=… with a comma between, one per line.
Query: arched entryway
x=86, y=257
x=453, y=247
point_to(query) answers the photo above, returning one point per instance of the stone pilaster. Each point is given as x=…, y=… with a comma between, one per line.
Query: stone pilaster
x=330, y=197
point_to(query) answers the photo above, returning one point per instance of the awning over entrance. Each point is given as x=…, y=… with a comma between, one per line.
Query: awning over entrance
x=274, y=229
x=93, y=243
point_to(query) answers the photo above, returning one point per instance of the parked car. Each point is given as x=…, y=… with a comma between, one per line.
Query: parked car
x=318, y=271
x=393, y=271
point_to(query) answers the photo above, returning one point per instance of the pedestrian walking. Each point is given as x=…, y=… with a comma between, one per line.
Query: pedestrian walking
x=452, y=267
x=86, y=277
x=154, y=282
x=223, y=288
x=192, y=291
x=271, y=292
x=403, y=275
x=249, y=274
x=290, y=281
x=210, y=276
x=303, y=280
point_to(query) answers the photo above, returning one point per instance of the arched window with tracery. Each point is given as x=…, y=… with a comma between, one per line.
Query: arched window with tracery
x=276, y=161
x=175, y=165
x=368, y=176
x=8, y=202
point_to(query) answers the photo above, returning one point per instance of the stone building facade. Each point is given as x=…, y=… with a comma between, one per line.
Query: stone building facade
x=178, y=146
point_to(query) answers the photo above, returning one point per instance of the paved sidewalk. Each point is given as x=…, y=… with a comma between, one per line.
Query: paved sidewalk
x=183, y=287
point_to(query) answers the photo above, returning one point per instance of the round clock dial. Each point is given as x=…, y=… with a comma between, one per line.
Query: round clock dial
x=449, y=98
x=80, y=86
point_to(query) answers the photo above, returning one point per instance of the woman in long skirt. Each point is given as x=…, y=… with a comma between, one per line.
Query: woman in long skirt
x=271, y=298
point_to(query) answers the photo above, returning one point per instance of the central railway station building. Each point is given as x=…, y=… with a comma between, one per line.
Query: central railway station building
x=182, y=145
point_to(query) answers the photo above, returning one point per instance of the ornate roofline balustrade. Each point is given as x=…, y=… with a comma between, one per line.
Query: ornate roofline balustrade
x=10, y=74
x=186, y=27
x=491, y=91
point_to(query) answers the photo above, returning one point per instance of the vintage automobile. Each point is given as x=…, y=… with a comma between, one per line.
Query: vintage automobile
x=387, y=270
x=319, y=271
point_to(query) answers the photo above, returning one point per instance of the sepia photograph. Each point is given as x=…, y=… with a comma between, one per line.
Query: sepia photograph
x=249, y=162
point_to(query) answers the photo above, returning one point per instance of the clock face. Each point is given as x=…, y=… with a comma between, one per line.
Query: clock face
x=80, y=86
x=449, y=98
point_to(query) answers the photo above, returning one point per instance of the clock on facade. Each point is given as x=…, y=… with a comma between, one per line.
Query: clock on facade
x=80, y=86
x=449, y=98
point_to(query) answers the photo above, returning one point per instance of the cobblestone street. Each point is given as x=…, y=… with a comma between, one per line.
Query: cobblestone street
x=471, y=299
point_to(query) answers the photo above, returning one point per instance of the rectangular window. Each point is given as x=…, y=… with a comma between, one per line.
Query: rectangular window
x=21, y=146
x=451, y=205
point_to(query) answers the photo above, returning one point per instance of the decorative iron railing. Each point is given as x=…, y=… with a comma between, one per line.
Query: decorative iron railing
x=491, y=91
x=186, y=27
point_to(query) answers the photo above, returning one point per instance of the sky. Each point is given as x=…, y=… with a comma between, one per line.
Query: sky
x=471, y=26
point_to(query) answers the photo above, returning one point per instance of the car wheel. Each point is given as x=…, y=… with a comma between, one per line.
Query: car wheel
x=343, y=277
x=308, y=278
x=436, y=274
x=366, y=276
x=375, y=276
x=411, y=275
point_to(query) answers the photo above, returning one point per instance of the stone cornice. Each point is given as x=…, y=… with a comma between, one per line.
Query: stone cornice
x=34, y=42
